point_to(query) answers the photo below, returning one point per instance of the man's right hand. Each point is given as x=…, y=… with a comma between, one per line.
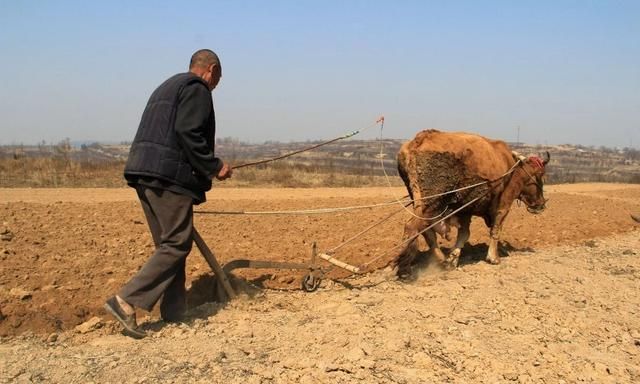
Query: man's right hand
x=225, y=172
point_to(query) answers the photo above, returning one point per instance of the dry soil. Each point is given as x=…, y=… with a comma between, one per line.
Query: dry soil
x=562, y=307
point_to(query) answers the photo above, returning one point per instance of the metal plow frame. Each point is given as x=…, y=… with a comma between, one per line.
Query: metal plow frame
x=310, y=282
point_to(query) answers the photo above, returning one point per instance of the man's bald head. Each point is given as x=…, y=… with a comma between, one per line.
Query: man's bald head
x=206, y=64
x=204, y=58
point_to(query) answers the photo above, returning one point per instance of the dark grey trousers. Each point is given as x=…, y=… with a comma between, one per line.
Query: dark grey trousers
x=170, y=219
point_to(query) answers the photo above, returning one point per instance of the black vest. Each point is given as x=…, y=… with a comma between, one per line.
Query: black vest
x=155, y=151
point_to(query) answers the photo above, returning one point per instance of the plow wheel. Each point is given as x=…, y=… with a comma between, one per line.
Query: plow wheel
x=310, y=282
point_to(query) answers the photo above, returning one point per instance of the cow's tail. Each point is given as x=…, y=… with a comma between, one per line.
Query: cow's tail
x=404, y=175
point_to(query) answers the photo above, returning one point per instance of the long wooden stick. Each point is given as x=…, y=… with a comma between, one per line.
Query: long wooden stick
x=339, y=263
x=292, y=153
x=380, y=120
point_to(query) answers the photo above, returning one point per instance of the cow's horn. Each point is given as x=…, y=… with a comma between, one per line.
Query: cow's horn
x=546, y=158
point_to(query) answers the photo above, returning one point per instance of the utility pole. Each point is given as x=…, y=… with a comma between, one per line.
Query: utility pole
x=518, y=137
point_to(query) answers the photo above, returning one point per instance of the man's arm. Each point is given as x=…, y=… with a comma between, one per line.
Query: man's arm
x=191, y=128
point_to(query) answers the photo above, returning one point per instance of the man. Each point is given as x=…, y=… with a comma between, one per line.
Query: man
x=171, y=164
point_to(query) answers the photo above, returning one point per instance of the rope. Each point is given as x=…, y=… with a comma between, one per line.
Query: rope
x=301, y=211
x=365, y=265
x=380, y=120
x=334, y=249
x=384, y=170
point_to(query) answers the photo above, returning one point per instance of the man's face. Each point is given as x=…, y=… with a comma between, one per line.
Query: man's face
x=213, y=75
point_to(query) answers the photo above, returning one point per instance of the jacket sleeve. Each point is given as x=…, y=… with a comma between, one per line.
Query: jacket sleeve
x=192, y=128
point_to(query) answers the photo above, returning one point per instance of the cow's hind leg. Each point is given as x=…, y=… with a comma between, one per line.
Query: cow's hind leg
x=434, y=250
x=403, y=262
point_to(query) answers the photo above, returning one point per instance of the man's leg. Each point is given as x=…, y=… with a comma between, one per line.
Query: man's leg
x=172, y=213
x=149, y=214
x=174, y=301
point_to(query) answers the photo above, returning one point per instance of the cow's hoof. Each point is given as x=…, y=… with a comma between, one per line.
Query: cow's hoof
x=451, y=264
x=405, y=274
x=493, y=260
x=454, y=258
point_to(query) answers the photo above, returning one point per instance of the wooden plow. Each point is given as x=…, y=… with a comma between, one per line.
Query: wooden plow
x=310, y=282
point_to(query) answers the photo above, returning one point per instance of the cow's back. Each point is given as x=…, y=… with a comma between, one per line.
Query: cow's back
x=484, y=157
x=435, y=162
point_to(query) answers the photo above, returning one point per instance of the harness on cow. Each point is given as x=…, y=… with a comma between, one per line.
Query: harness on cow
x=539, y=163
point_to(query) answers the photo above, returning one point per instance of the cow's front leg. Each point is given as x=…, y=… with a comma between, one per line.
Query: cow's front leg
x=461, y=240
x=492, y=255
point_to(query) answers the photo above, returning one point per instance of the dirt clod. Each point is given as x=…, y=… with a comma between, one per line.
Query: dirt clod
x=90, y=325
x=6, y=235
x=20, y=293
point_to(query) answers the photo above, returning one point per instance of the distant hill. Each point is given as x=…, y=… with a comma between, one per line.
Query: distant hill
x=569, y=163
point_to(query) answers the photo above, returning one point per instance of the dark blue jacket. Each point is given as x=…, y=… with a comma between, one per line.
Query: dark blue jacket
x=175, y=140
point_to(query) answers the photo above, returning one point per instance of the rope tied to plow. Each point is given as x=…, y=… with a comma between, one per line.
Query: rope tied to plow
x=302, y=211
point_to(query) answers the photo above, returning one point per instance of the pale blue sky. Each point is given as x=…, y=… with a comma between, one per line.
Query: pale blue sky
x=564, y=71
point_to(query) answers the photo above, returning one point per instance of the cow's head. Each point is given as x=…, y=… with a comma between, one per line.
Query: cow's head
x=532, y=194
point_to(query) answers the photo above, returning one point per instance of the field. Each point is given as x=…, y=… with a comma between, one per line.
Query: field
x=562, y=307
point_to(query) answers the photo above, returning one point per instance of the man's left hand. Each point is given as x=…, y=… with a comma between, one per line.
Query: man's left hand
x=225, y=172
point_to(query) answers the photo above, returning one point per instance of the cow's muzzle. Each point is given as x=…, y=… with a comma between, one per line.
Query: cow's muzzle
x=536, y=210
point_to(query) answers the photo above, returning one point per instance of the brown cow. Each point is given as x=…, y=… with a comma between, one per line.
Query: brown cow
x=435, y=162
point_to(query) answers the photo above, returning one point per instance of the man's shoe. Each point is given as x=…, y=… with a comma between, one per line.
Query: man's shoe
x=128, y=321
